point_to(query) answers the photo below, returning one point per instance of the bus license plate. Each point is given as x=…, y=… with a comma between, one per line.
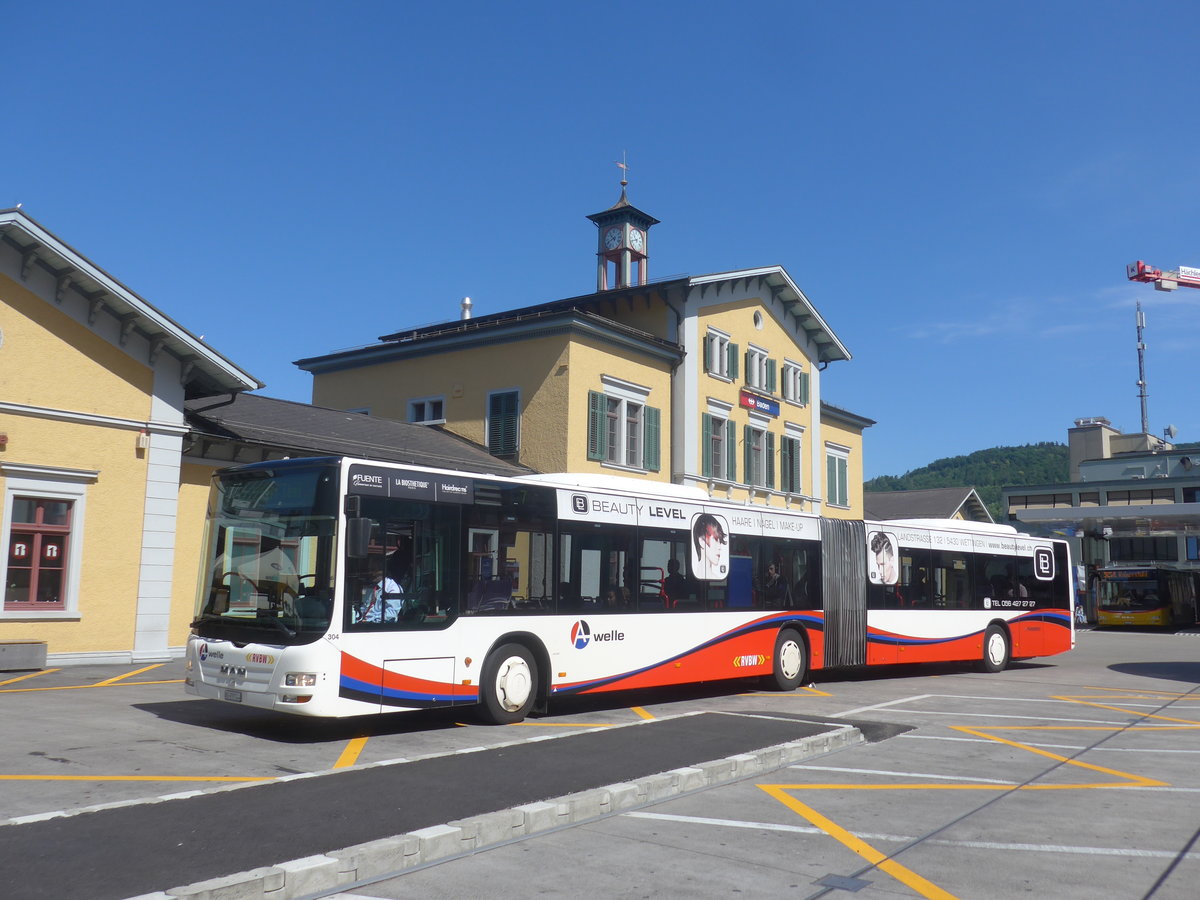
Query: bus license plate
x=233, y=696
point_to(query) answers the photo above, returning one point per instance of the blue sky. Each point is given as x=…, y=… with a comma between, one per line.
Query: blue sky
x=957, y=187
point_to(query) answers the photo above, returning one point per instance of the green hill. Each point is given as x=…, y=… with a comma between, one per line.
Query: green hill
x=985, y=470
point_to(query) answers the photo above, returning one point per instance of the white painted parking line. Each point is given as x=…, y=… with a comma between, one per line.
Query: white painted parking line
x=960, y=715
x=731, y=823
x=862, y=709
x=1129, y=852
x=892, y=774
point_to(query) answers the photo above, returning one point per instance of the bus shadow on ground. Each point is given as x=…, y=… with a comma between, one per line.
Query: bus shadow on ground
x=285, y=729
x=831, y=677
x=1178, y=670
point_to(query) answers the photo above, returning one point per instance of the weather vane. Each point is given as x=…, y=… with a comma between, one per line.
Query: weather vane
x=624, y=170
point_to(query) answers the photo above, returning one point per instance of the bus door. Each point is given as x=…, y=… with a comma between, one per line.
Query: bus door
x=1181, y=588
x=844, y=591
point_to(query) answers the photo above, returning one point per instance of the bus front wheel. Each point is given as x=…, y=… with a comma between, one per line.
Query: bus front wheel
x=996, y=650
x=508, y=688
x=790, y=661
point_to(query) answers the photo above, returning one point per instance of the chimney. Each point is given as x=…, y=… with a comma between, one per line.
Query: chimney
x=466, y=308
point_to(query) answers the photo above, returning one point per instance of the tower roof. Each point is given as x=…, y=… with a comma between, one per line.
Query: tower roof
x=623, y=209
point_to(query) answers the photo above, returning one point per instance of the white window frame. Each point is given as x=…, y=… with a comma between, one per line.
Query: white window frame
x=723, y=413
x=625, y=397
x=838, y=492
x=50, y=484
x=790, y=386
x=756, y=367
x=757, y=455
x=718, y=353
x=424, y=403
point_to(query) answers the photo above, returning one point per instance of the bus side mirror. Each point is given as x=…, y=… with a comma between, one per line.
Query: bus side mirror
x=358, y=537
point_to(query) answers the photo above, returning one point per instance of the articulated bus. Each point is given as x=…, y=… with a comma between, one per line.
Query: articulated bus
x=1148, y=595
x=344, y=587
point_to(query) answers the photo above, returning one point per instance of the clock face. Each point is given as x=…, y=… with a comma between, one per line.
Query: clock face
x=612, y=239
x=636, y=240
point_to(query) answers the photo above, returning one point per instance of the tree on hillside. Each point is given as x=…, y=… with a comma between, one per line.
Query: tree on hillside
x=985, y=470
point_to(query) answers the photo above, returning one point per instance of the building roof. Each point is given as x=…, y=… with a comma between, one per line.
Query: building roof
x=838, y=414
x=932, y=503
x=206, y=371
x=773, y=281
x=250, y=427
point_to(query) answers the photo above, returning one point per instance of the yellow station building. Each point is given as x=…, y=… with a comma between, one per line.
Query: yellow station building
x=113, y=418
x=715, y=381
x=101, y=512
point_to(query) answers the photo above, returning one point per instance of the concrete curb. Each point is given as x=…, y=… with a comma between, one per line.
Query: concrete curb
x=356, y=866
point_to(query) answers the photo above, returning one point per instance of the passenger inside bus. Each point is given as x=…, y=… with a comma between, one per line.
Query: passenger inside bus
x=676, y=584
x=775, y=591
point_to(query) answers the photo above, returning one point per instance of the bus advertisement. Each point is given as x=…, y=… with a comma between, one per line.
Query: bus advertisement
x=345, y=587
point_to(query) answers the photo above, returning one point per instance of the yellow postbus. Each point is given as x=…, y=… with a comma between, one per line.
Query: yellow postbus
x=1160, y=596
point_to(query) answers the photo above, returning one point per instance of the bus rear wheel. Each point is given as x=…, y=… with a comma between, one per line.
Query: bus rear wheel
x=508, y=687
x=996, y=650
x=790, y=661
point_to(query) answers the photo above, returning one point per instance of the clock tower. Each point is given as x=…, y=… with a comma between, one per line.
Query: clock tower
x=622, y=244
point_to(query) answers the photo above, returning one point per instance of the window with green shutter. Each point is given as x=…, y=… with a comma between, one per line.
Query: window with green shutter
x=503, y=423
x=597, y=434
x=789, y=466
x=651, y=459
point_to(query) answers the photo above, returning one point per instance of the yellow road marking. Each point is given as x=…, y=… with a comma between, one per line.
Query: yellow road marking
x=350, y=755
x=128, y=675
x=1142, y=693
x=1135, y=780
x=85, y=687
x=880, y=860
x=641, y=712
x=809, y=690
x=921, y=885
x=1127, y=711
x=30, y=675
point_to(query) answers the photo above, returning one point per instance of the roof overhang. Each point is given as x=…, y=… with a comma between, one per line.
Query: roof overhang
x=776, y=282
x=1121, y=521
x=204, y=370
x=471, y=333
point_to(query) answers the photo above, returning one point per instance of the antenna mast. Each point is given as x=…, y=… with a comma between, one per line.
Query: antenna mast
x=1141, y=348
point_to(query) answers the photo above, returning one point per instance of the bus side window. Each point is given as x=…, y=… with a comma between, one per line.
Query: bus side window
x=915, y=572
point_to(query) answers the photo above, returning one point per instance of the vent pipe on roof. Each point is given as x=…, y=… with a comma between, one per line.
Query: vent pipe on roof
x=466, y=308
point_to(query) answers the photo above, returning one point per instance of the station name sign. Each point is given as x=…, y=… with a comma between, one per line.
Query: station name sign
x=757, y=403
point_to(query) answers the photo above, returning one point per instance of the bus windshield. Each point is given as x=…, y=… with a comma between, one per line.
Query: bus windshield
x=269, y=570
x=1137, y=592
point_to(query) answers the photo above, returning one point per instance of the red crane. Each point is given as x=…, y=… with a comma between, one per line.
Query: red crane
x=1184, y=276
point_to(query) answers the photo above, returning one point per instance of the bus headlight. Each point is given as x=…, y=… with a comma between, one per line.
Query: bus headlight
x=300, y=679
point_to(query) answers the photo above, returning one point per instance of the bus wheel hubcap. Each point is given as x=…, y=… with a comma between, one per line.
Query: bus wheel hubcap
x=996, y=649
x=513, y=683
x=789, y=659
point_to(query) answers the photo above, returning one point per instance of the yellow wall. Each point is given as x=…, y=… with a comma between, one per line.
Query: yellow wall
x=464, y=378
x=836, y=432
x=194, y=488
x=65, y=367
x=110, y=542
x=591, y=359
x=737, y=320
